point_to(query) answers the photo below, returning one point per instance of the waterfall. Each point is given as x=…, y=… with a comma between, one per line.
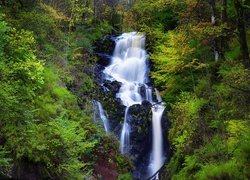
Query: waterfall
x=101, y=115
x=158, y=96
x=149, y=94
x=157, y=149
x=129, y=67
x=125, y=135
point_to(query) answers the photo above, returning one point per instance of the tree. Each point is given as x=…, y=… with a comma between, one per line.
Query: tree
x=242, y=31
x=224, y=21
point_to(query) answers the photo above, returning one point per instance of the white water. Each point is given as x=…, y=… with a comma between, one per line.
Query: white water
x=212, y=19
x=129, y=67
x=102, y=116
x=125, y=135
x=158, y=96
x=149, y=94
x=157, y=150
x=216, y=55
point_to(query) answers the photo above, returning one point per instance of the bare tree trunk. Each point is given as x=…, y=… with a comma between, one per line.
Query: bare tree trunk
x=242, y=32
x=213, y=21
x=224, y=21
x=212, y=4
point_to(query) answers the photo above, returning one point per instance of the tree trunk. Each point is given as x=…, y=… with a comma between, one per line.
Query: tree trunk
x=242, y=32
x=213, y=9
x=224, y=21
x=213, y=21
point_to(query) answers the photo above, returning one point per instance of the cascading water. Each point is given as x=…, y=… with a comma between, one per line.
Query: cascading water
x=149, y=94
x=129, y=67
x=157, y=150
x=101, y=115
x=125, y=136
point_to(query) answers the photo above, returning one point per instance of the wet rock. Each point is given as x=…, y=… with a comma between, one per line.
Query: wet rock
x=140, y=121
x=146, y=104
x=99, y=76
x=113, y=86
x=165, y=123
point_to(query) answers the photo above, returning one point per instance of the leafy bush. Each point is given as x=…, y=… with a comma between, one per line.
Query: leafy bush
x=228, y=170
x=5, y=161
x=185, y=117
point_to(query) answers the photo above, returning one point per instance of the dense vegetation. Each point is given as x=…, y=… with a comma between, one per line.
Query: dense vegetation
x=46, y=70
x=200, y=64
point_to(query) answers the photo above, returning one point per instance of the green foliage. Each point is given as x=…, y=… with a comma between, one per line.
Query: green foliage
x=46, y=79
x=236, y=129
x=176, y=66
x=228, y=170
x=41, y=121
x=21, y=75
x=5, y=161
x=191, y=165
x=124, y=165
x=125, y=177
x=3, y=30
x=186, y=114
x=59, y=140
x=108, y=154
x=232, y=94
x=140, y=16
x=208, y=100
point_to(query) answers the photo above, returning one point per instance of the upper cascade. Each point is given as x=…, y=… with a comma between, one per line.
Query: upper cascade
x=129, y=67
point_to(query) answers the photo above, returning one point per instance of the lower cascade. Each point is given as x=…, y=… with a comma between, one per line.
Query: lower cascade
x=157, y=152
x=129, y=68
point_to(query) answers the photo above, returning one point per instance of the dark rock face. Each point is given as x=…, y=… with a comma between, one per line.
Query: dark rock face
x=103, y=49
x=140, y=122
x=165, y=129
x=99, y=76
x=113, y=86
x=23, y=169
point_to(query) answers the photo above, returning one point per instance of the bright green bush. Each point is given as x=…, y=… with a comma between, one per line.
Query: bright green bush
x=228, y=170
